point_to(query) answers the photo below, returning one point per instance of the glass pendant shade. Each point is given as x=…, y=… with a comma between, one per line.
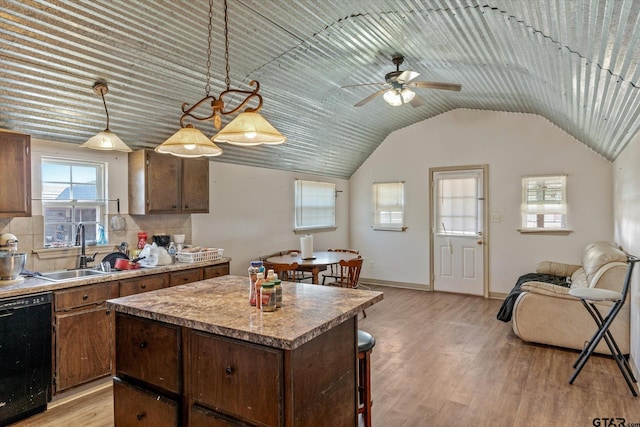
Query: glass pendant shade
x=393, y=97
x=189, y=142
x=106, y=140
x=249, y=128
x=407, y=95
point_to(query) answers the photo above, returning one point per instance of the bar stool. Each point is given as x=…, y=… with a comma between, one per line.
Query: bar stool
x=588, y=297
x=366, y=342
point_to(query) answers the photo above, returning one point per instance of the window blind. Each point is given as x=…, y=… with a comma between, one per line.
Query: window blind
x=388, y=205
x=544, y=203
x=315, y=205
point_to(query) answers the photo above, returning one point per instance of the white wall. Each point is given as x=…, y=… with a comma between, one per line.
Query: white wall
x=627, y=228
x=251, y=214
x=512, y=145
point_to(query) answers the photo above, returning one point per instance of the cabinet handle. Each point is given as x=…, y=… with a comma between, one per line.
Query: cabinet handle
x=143, y=286
x=144, y=344
x=186, y=206
x=141, y=415
x=85, y=297
x=229, y=370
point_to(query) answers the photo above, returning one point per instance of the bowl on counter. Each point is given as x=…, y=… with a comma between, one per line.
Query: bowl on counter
x=11, y=264
x=178, y=239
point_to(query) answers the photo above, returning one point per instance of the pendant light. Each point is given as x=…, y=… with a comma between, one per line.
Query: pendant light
x=248, y=128
x=105, y=140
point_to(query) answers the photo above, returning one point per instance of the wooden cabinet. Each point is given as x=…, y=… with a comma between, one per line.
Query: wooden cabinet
x=162, y=183
x=137, y=285
x=134, y=406
x=15, y=162
x=183, y=277
x=239, y=379
x=216, y=271
x=83, y=337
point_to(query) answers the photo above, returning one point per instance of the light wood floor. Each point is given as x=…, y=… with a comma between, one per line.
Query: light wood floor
x=443, y=359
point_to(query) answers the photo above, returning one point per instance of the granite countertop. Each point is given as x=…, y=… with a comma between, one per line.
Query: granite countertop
x=221, y=306
x=32, y=285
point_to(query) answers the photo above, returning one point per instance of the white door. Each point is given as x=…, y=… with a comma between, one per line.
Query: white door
x=457, y=229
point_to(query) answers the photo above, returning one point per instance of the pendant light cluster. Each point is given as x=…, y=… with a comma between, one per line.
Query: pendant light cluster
x=105, y=140
x=249, y=128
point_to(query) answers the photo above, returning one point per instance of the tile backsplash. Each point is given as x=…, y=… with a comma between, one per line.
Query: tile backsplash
x=29, y=231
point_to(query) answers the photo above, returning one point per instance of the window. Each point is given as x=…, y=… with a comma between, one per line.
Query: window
x=388, y=206
x=458, y=202
x=544, y=204
x=72, y=192
x=315, y=205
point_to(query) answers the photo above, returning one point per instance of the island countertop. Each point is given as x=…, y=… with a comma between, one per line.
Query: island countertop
x=221, y=306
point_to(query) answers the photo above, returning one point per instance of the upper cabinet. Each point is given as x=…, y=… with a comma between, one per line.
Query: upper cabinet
x=15, y=164
x=162, y=183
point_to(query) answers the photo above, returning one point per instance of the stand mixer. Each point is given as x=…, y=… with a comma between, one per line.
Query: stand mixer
x=11, y=261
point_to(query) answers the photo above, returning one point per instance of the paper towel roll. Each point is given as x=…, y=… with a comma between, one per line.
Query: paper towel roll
x=306, y=247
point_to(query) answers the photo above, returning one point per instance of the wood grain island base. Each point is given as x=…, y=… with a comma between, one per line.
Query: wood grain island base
x=200, y=355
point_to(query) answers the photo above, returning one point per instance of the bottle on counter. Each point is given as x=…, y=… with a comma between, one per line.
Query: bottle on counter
x=259, y=282
x=268, y=296
x=278, y=287
x=254, y=269
x=172, y=252
x=142, y=239
x=271, y=276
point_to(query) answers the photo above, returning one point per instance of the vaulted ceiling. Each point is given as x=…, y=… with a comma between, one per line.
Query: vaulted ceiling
x=575, y=63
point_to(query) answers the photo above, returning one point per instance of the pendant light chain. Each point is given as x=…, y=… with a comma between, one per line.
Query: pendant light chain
x=207, y=87
x=227, y=80
x=105, y=107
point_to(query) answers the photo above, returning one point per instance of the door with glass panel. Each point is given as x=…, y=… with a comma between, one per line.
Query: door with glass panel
x=458, y=212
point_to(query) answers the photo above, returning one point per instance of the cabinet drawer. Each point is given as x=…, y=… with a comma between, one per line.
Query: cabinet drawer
x=142, y=284
x=216, y=271
x=201, y=417
x=236, y=377
x=135, y=406
x=148, y=351
x=84, y=295
x=185, y=276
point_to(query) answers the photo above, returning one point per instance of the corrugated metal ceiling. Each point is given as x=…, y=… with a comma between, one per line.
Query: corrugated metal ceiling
x=573, y=62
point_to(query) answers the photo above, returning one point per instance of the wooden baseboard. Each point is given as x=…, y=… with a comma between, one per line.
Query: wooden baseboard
x=405, y=285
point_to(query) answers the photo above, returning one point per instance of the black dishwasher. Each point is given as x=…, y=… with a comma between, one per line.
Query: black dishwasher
x=25, y=356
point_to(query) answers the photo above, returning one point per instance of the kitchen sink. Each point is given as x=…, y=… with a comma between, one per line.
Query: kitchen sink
x=58, y=276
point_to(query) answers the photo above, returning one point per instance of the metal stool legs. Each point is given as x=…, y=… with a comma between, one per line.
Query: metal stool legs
x=365, y=346
x=587, y=296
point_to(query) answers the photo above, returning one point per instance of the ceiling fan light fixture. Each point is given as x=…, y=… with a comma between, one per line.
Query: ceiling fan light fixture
x=393, y=98
x=248, y=129
x=105, y=140
x=189, y=142
x=407, y=95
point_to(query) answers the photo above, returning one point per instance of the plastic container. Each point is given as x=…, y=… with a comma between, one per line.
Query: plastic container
x=278, y=288
x=259, y=282
x=254, y=269
x=268, y=297
x=142, y=239
x=172, y=252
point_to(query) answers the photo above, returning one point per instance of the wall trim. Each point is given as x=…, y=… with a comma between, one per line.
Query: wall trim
x=498, y=295
x=404, y=285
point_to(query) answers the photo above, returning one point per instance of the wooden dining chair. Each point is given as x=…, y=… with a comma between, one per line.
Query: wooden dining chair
x=301, y=273
x=285, y=272
x=349, y=273
x=334, y=269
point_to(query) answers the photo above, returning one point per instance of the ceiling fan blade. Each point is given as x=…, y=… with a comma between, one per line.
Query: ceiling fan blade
x=416, y=102
x=370, y=97
x=406, y=76
x=436, y=85
x=365, y=84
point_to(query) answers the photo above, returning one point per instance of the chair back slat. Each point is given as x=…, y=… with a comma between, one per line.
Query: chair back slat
x=350, y=272
x=285, y=272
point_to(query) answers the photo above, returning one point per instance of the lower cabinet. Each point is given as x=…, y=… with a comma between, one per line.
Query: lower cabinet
x=141, y=284
x=83, y=335
x=135, y=406
x=218, y=270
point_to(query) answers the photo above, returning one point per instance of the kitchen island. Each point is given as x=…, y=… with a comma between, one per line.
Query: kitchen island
x=200, y=355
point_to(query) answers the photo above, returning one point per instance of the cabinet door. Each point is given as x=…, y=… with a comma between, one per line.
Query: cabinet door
x=201, y=417
x=242, y=380
x=133, y=406
x=83, y=346
x=15, y=162
x=185, y=276
x=163, y=183
x=216, y=271
x=195, y=185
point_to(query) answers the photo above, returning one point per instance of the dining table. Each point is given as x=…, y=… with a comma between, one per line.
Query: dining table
x=318, y=262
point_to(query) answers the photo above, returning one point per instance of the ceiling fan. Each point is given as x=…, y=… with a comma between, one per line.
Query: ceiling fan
x=398, y=84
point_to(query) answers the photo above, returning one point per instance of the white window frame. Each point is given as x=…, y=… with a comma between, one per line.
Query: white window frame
x=73, y=202
x=547, y=208
x=388, y=206
x=314, y=205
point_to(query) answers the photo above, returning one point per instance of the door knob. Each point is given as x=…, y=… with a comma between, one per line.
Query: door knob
x=480, y=241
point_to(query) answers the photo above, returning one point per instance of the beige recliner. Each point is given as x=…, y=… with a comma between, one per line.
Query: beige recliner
x=545, y=313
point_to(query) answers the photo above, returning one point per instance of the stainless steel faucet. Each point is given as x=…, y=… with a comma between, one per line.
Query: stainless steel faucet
x=80, y=240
